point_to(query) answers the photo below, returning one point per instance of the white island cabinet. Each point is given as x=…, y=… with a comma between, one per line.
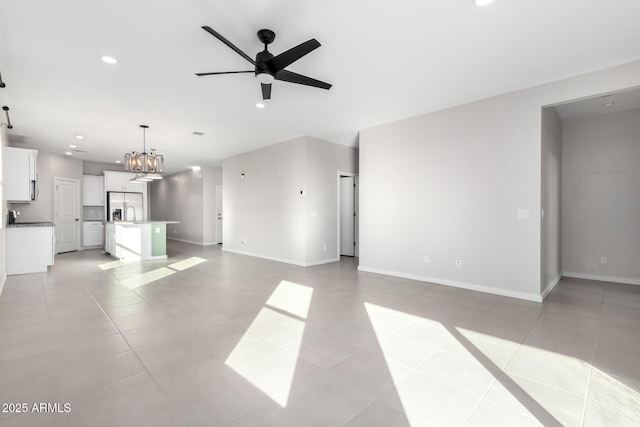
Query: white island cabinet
x=30, y=247
x=137, y=240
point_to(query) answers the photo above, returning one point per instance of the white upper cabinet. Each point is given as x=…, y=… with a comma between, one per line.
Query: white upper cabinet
x=92, y=190
x=120, y=181
x=20, y=174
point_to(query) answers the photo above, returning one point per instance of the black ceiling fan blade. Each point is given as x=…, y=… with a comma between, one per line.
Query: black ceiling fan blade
x=219, y=36
x=223, y=72
x=266, y=90
x=280, y=62
x=288, y=76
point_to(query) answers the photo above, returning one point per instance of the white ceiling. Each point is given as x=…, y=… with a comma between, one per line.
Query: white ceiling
x=386, y=60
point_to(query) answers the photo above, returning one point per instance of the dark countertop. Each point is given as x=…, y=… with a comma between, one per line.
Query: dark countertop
x=31, y=224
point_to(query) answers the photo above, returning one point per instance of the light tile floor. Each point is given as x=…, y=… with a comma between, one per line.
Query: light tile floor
x=210, y=338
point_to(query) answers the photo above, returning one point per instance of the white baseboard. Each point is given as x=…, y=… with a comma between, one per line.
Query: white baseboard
x=612, y=279
x=470, y=286
x=322, y=261
x=283, y=260
x=185, y=241
x=270, y=258
x=552, y=284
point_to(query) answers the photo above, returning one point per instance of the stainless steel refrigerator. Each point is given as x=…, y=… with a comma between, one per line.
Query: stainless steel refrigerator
x=124, y=206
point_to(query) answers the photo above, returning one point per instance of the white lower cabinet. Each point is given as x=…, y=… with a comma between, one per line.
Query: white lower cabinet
x=29, y=249
x=92, y=233
x=110, y=239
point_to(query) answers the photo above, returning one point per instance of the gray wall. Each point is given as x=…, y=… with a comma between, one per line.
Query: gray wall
x=4, y=142
x=264, y=213
x=450, y=184
x=181, y=197
x=92, y=168
x=551, y=199
x=49, y=167
x=601, y=207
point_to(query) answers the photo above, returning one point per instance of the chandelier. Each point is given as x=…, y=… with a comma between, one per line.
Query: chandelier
x=147, y=166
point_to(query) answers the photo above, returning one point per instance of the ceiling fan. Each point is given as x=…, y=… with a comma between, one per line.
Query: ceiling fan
x=268, y=67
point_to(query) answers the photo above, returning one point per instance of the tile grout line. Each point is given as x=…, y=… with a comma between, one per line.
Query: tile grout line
x=502, y=372
x=132, y=350
x=46, y=301
x=593, y=356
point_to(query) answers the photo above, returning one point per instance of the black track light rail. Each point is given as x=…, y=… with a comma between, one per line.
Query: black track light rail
x=6, y=113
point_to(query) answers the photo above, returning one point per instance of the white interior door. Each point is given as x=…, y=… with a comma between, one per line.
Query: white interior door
x=347, y=218
x=356, y=209
x=218, y=214
x=67, y=218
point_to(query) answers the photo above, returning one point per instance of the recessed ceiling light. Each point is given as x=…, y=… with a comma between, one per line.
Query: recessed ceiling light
x=68, y=153
x=73, y=146
x=109, y=60
x=482, y=2
x=260, y=104
x=609, y=104
x=118, y=161
x=79, y=136
x=195, y=168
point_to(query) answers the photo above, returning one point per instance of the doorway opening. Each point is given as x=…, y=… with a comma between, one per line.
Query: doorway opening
x=348, y=214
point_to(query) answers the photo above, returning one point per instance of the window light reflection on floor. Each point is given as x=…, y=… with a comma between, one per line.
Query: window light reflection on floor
x=262, y=362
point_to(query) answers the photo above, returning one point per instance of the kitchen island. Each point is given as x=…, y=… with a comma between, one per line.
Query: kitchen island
x=137, y=240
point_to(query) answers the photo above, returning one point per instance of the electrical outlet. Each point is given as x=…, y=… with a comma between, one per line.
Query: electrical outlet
x=426, y=259
x=604, y=260
x=458, y=263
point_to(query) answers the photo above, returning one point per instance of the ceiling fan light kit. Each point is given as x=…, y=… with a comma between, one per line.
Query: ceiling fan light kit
x=267, y=67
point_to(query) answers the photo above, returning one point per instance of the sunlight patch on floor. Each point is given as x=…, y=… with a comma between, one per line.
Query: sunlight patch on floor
x=187, y=263
x=148, y=277
x=423, y=371
x=262, y=362
x=113, y=264
x=144, y=279
x=292, y=298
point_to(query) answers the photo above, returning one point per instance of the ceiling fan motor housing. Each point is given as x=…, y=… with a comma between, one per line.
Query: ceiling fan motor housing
x=261, y=66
